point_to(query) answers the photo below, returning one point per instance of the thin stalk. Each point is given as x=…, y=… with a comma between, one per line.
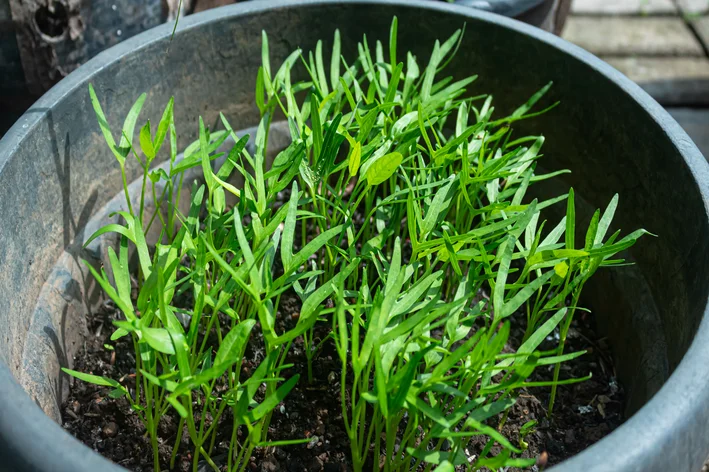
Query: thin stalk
x=152, y=427
x=178, y=438
x=244, y=460
x=125, y=190
x=142, y=192
x=560, y=350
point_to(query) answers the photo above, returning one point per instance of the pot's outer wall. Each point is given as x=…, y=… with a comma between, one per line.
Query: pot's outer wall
x=55, y=170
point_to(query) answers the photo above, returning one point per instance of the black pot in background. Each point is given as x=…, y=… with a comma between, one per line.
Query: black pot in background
x=549, y=15
x=41, y=44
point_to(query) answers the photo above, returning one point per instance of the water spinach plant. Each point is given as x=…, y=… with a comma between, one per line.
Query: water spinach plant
x=398, y=214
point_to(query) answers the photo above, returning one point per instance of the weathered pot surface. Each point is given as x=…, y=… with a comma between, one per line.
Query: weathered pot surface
x=56, y=173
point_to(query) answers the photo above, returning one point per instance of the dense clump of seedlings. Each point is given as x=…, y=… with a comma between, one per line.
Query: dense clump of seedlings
x=399, y=216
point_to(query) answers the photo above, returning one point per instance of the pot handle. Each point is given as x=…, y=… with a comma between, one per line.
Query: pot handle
x=509, y=8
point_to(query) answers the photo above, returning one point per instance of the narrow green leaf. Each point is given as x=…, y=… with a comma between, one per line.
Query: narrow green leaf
x=94, y=379
x=592, y=231
x=335, y=61
x=532, y=101
x=320, y=66
x=288, y=237
x=312, y=247
x=265, y=59
x=513, y=304
x=393, y=33
x=204, y=156
x=570, y=221
x=273, y=400
x=605, y=221
x=164, y=125
x=179, y=408
x=355, y=159
x=541, y=333
x=318, y=136
x=260, y=90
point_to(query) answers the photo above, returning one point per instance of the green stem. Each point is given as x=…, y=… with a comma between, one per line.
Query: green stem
x=245, y=459
x=560, y=350
x=125, y=190
x=142, y=193
x=152, y=427
x=178, y=438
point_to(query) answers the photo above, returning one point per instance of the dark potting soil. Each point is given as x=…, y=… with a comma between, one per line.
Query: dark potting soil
x=583, y=413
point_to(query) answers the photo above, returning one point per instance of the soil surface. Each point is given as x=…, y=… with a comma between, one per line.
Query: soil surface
x=583, y=413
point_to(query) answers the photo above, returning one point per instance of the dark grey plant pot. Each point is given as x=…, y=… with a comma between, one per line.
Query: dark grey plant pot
x=55, y=172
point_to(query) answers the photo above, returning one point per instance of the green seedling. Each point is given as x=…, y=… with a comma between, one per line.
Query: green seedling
x=399, y=216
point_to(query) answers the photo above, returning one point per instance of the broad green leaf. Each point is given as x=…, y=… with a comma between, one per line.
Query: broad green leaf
x=234, y=343
x=381, y=169
x=146, y=142
x=561, y=269
x=355, y=159
x=438, y=207
x=159, y=339
x=445, y=466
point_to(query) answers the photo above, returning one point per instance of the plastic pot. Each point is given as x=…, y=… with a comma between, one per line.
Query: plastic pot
x=56, y=172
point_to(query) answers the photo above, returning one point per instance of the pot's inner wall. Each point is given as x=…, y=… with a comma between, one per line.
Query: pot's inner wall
x=62, y=171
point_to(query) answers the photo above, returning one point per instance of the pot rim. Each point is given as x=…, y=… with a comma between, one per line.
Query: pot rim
x=661, y=432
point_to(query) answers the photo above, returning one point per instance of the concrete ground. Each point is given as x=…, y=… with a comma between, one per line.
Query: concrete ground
x=663, y=45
